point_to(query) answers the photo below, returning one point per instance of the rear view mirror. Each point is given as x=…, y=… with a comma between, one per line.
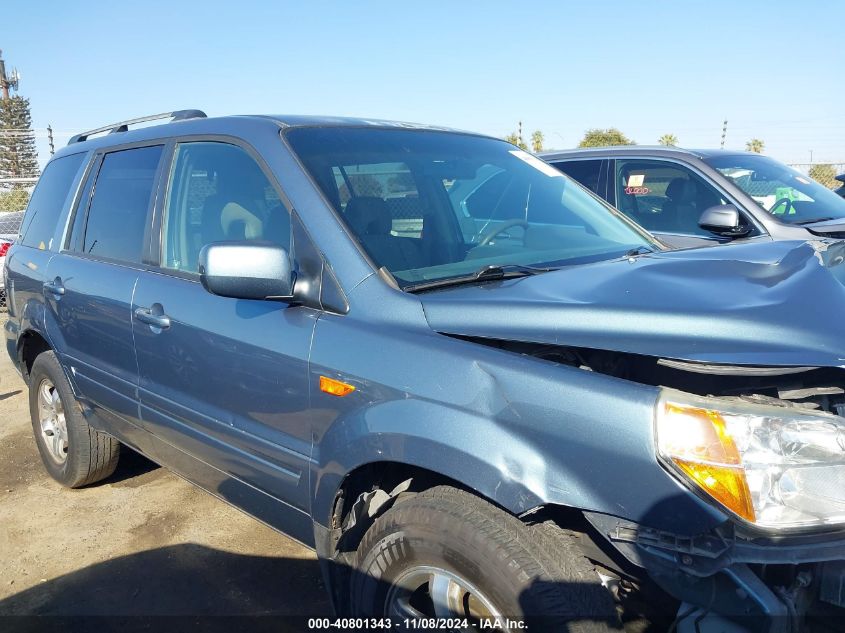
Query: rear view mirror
x=722, y=219
x=246, y=270
x=458, y=169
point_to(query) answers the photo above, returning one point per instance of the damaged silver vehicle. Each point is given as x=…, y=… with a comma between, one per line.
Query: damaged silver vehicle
x=484, y=396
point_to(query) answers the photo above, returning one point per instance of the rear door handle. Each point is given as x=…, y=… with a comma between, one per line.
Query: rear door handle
x=149, y=316
x=54, y=288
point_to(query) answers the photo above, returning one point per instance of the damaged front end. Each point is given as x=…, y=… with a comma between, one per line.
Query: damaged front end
x=766, y=444
x=747, y=352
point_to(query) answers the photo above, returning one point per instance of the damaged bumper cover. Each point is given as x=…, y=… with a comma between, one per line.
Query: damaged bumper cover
x=769, y=584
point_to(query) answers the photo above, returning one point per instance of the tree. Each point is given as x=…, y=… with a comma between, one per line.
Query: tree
x=18, y=157
x=755, y=145
x=597, y=137
x=514, y=138
x=825, y=175
x=668, y=139
x=14, y=200
x=537, y=141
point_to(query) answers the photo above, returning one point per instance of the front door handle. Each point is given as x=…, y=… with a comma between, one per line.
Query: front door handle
x=154, y=317
x=54, y=288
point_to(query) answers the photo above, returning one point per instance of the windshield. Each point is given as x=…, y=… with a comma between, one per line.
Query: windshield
x=785, y=193
x=429, y=205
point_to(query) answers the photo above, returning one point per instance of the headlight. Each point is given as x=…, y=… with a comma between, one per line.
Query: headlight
x=776, y=467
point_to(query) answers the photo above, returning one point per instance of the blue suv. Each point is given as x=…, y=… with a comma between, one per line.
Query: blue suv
x=484, y=396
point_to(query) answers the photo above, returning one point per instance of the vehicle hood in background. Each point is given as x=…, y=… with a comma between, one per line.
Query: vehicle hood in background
x=828, y=228
x=761, y=304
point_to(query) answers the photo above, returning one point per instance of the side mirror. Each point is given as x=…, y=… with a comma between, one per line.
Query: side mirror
x=722, y=219
x=246, y=270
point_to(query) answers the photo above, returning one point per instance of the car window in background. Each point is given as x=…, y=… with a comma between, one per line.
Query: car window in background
x=482, y=202
x=218, y=192
x=664, y=197
x=587, y=172
x=787, y=194
x=118, y=213
x=47, y=201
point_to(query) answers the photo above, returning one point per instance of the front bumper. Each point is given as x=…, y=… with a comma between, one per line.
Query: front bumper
x=725, y=579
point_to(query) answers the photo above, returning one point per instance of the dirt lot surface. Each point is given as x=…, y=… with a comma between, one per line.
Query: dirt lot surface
x=142, y=543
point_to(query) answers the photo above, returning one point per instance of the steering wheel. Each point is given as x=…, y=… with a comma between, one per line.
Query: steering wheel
x=496, y=230
x=785, y=201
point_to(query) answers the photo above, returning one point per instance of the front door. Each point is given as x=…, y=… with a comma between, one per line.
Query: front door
x=224, y=380
x=667, y=199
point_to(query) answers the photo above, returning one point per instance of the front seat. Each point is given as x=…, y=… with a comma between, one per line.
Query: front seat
x=372, y=222
x=679, y=211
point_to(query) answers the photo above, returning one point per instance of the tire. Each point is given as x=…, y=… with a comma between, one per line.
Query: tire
x=530, y=573
x=89, y=455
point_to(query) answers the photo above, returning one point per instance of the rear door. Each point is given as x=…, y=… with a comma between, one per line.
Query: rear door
x=224, y=380
x=90, y=282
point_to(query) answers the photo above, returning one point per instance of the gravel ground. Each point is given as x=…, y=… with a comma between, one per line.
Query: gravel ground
x=144, y=542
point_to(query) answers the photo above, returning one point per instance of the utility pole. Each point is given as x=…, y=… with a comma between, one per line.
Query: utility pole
x=7, y=82
x=724, y=132
x=519, y=134
x=50, y=139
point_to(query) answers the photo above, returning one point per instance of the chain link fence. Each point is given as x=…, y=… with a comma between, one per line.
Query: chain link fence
x=825, y=173
x=10, y=224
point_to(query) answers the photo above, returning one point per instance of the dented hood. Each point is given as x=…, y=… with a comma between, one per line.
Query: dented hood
x=763, y=304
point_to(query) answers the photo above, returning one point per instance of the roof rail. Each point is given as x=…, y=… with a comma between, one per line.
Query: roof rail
x=123, y=126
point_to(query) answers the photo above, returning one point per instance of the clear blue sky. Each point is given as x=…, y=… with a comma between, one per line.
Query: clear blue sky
x=775, y=69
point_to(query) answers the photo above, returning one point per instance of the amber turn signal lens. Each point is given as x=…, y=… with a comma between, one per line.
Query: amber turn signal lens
x=335, y=387
x=726, y=485
x=698, y=442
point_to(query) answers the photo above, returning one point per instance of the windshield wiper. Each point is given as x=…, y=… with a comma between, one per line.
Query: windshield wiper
x=814, y=220
x=639, y=250
x=485, y=273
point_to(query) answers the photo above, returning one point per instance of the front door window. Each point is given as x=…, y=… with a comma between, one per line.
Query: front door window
x=664, y=197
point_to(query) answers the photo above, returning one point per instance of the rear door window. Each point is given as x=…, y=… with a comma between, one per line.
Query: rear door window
x=118, y=215
x=586, y=172
x=48, y=200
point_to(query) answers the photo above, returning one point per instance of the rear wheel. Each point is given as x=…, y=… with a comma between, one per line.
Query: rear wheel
x=445, y=553
x=73, y=453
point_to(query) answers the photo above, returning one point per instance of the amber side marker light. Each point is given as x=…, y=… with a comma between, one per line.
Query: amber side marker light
x=335, y=387
x=699, y=444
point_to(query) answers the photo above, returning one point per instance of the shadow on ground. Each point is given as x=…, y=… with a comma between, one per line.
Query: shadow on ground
x=181, y=580
x=133, y=470
x=4, y=396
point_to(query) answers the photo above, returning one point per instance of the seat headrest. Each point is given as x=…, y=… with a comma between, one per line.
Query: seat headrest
x=369, y=215
x=681, y=190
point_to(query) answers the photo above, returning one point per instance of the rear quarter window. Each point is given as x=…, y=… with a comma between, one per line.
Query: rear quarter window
x=48, y=200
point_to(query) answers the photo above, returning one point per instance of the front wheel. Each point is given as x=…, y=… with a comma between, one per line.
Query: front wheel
x=73, y=453
x=445, y=553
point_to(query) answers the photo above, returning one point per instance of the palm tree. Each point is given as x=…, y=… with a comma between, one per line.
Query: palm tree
x=668, y=139
x=755, y=145
x=514, y=138
x=537, y=141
